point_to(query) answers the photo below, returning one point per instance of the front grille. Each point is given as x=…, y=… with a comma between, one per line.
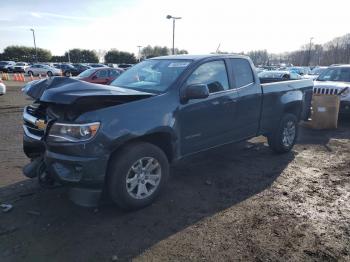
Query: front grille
x=325, y=91
x=31, y=115
x=36, y=131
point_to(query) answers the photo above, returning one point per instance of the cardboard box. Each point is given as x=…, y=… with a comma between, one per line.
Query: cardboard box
x=325, y=110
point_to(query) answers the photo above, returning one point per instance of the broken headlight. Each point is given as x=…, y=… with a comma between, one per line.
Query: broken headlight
x=62, y=132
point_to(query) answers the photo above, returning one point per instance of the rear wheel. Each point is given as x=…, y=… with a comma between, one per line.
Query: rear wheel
x=284, y=137
x=67, y=74
x=49, y=74
x=136, y=175
x=30, y=73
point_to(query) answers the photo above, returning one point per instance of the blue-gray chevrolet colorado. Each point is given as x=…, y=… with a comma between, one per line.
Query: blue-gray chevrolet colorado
x=122, y=137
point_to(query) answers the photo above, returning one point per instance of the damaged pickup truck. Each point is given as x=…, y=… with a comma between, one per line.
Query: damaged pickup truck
x=121, y=138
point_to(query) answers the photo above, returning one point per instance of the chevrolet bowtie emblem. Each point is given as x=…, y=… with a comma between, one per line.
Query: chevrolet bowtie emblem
x=40, y=124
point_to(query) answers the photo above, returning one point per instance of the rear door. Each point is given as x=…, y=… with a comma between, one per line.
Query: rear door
x=35, y=69
x=249, y=98
x=41, y=70
x=208, y=122
x=100, y=77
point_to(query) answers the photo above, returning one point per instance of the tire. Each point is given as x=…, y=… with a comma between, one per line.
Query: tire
x=130, y=186
x=284, y=137
x=30, y=73
x=67, y=74
x=49, y=73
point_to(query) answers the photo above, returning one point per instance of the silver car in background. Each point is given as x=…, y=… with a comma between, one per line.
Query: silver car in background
x=41, y=69
x=20, y=67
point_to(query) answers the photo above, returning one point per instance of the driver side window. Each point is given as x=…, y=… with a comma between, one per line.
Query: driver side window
x=213, y=74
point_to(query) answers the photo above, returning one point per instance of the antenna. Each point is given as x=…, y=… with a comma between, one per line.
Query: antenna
x=217, y=49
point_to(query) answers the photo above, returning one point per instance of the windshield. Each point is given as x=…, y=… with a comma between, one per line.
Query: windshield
x=20, y=64
x=4, y=63
x=317, y=71
x=337, y=74
x=153, y=75
x=87, y=73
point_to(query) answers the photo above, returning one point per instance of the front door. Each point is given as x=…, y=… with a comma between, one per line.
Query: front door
x=208, y=122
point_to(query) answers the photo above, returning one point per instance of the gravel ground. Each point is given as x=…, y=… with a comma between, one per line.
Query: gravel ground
x=237, y=203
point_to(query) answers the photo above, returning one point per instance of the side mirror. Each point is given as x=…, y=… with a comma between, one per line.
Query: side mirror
x=195, y=91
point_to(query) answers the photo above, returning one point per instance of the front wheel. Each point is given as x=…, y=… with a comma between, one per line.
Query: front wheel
x=284, y=137
x=49, y=74
x=136, y=175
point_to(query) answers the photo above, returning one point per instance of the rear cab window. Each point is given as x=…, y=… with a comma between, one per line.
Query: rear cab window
x=242, y=72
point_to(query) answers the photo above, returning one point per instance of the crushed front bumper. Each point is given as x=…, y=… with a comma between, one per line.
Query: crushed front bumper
x=77, y=170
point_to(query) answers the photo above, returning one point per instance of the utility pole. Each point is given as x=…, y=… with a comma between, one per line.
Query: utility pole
x=174, y=18
x=139, y=55
x=68, y=56
x=36, y=51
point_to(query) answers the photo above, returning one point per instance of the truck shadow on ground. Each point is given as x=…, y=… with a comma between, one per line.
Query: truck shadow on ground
x=199, y=187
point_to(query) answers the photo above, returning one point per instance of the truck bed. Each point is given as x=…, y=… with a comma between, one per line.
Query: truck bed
x=277, y=94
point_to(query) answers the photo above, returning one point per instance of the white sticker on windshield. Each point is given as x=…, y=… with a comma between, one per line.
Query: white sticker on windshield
x=179, y=64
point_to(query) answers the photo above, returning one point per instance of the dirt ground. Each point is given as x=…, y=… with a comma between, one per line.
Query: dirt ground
x=237, y=203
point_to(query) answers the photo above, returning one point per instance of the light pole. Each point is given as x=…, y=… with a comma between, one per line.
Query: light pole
x=36, y=51
x=139, y=55
x=309, y=56
x=174, y=18
x=68, y=56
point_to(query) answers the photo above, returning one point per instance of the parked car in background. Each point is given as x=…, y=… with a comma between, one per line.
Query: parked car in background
x=125, y=66
x=277, y=76
x=97, y=65
x=81, y=68
x=42, y=69
x=101, y=75
x=6, y=66
x=111, y=65
x=20, y=67
x=68, y=69
x=315, y=72
x=333, y=80
x=259, y=70
x=318, y=70
x=299, y=70
x=2, y=88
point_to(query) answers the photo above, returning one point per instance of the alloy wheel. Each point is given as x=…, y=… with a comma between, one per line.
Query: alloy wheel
x=143, y=178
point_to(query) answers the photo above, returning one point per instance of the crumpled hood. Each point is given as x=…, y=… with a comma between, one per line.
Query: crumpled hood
x=63, y=90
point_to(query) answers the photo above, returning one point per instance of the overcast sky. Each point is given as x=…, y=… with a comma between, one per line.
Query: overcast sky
x=241, y=25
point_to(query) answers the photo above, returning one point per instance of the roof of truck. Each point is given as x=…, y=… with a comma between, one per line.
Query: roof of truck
x=199, y=57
